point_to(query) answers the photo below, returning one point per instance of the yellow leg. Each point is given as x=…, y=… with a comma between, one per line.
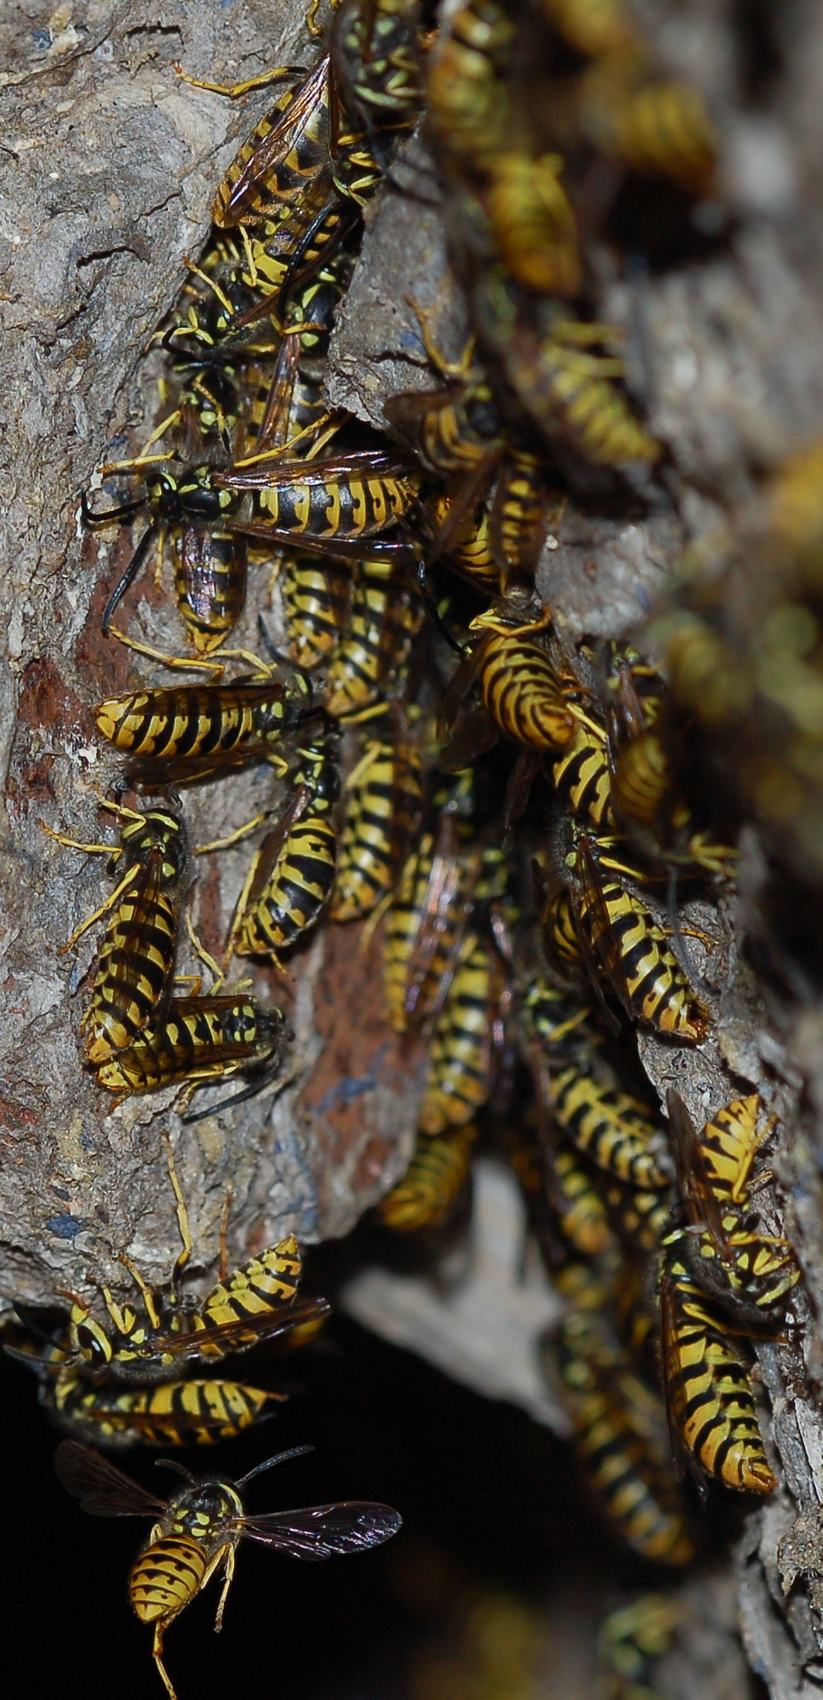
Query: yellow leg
x=583, y=334
x=128, y=879
x=186, y=662
x=77, y=843
x=144, y=1287
x=157, y=1655
x=217, y=973
x=181, y=1212
x=232, y=91
x=139, y=461
x=235, y=837
x=212, y=284
x=226, y=1556
x=166, y=424
x=242, y=905
x=459, y=369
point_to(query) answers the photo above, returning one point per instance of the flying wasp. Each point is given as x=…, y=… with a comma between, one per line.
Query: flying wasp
x=135, y=968
x=195, y=1534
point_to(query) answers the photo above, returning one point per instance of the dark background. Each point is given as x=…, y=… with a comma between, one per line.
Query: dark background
x=491, y=1511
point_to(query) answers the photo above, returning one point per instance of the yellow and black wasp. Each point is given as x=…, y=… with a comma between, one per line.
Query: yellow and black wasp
x=199, y=1039
x=750, y=1272
x=519, y=685
x=630, y=1642
x=464, y=1040
x=179, y=734
x=466, y=103
x=621, y=938
x=134, y=975
x=195, y=1534
x=712, y=1415
x=210, y=554
x=383, y=619
x=434, y=1182
x=382, y=800
x=125, y=1380
x=291, y=877
x=619, y=1426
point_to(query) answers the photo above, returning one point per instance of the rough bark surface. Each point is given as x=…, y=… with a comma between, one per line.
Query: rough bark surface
x=111, y=165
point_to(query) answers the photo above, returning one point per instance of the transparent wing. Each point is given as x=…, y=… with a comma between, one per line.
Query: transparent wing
x=102, y=1489
x=203, y=1342
x=320, y=1531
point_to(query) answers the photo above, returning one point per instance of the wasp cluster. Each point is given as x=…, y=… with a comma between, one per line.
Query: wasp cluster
x=510, y=825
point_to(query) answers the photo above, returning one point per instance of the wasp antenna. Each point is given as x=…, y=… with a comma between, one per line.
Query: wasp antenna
x=269, y=1463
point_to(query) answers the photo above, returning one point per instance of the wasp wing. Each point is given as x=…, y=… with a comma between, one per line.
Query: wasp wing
x=320, y=1531
x=247, y=1331
x=102, y=1489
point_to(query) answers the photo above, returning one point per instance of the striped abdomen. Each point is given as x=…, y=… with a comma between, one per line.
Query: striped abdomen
x=663, y=130
x=376, y=61
x=466, y=542
x=382, y=622
x=708, y=1387
x=647, y=975
x=581, y=1213
x=315, y=601
x=166, y=1577
x=383, y=796
x=728, y=1144
x=135, y=969
x=620, y=1436
x=582, y=778
x=614, y=1130
x=342, y=507
x=282, y=157
x=296, y=890
x=569, y=393
x=518, y=515
x=533, y=222
x=432, y=1184
x=264, y=1284
x=521, y=692
x=640, y=1217
x=742, y=1265
x=198, y=725
x=560, y=936
x=642, y=783
x=200, y=1039
x=467, y=107
x=168, y=1413
x=209, y=584
x=460, y=1069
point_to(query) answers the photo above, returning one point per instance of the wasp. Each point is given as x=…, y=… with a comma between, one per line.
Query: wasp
x=533, y=223
x=639, y=1216
x=316, y=598
x=291, y=877
x=583, y=779
x=462, y=1046
x=619, y=1428
x=432, y=1185
x=464, y=537
x=374, y=49
x=644, y=783
x=712, y=1414
x=135, y=967
x=625, y=941
x=182, y=733
x=571, y=389
x=518, y=683
x=90, y=1376
x=382, y=802
x=631, y=1640
x=427, y=918
x=326, y=506
x=210, y=555
x=657, y=126
x=199, y=1039
x=195, y=1534
x=465, y=86
x=279, y=166
x=595, y=28
x=383, y=621
x=731, y=1260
